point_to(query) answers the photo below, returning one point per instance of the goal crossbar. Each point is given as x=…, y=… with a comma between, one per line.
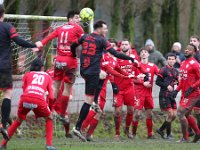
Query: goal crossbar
x=34, y=17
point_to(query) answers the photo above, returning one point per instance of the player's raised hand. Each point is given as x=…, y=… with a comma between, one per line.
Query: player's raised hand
x=39, y=44
x=102, y=74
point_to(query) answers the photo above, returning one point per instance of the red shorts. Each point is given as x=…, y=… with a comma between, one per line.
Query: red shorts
x=65, y=69
x=189, y=102
x=126, y=97
x=143, y=102
x=38, y=106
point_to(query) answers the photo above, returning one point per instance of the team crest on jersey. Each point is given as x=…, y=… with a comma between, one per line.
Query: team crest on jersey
x=192, y=62
x=148, y=69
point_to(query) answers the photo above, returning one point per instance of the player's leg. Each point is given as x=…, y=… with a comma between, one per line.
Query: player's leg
x=149, y=123
x=91, y=83
x=117, y=120
x=165, y=106
x=197, y=113
x=129, y=118
x=6, y=87
x=136, y=117
x=149, y=105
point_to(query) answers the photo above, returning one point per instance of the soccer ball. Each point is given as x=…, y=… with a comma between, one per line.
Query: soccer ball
x=86, y=14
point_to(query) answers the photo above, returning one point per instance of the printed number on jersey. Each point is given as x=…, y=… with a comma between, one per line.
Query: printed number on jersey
x=38, y=79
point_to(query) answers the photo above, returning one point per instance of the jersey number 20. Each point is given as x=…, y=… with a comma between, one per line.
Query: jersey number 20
x=38, y=79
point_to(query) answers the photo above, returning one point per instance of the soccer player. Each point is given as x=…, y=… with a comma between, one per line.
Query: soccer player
x=35, y=84
x=65, y=65
x=143, y=90
x=126, y=94
x=58, y=105
x=189, y=86
x=93, y=46
x=195, y=40
x=109, y=65
x=166, y=79
x=7, y=34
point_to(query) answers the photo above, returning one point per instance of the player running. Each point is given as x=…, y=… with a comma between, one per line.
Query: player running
x=166, y=79
x=65, y=65
x=143, y=90
x=189, y=86
x=35, y=84
x=93, y=46
x=7, y=34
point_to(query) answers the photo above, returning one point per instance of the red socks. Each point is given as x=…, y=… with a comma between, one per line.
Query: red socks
x=134, y=126
x=11, y=130
x=149, y=124
x=67, y=128
x=64, y=103
x=88, y=119
x=192, y=123
x=49, y=132
x=117, y=120
x=129, y=118
x=93, y=125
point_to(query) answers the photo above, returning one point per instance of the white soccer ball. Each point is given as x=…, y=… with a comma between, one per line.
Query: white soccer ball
x=86, y=14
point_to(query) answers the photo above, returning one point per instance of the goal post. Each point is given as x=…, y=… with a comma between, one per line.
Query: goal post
x=32, y=28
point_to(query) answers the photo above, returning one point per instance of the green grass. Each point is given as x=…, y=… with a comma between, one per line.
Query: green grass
x=101, y=144
x=33, y=137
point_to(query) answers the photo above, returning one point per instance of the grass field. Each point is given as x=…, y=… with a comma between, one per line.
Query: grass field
x=101, y=144
x=34, y=131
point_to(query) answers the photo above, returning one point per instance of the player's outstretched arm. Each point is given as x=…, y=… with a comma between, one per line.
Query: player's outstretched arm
x=120, y=55
x=21, y=42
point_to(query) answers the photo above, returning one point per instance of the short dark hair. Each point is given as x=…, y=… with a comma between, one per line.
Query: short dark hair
x=2, y=10
x=36, y=64
x=195, y=37
x=112, y=40
x=72, y=13
x=143, y=48
x=195, y=48
x=171, y=55
x=99, y=24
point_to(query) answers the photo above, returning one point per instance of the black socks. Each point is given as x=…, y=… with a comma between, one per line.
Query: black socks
x=5, y=111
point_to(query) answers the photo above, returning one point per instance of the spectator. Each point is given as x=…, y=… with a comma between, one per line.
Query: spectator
x=176, y=49
x=155, y=56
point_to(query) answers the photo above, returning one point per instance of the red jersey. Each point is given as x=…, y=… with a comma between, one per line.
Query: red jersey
x=189, y=76
x=127, y=66
x=134, y=54
x=50, y=72
x=109, y=65
x=151, y=69
x=66, y=34
x=36, y=84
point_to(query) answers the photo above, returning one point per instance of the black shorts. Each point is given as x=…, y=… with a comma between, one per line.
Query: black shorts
x=6, y=79
x=91, y=83
x=167, y=103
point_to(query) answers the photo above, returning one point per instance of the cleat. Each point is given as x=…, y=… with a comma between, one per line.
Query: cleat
x=62, y=119
x=117, y=138
x=151, y=137
x=128, y=134
x=69, y=135
x=4, y=133
x=162, y=134
x=3, y=147
x=79, y=134
x=169, y=137
x=50, y=148
x=182, y=140
x=89, y=138
x=96, y=108
x=196, y=138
